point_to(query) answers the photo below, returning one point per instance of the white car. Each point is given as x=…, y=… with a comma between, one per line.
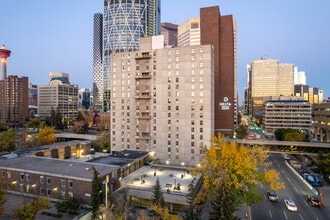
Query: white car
x=290, y=205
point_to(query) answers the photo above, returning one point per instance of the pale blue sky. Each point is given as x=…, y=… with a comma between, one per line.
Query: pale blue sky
x=47, y=36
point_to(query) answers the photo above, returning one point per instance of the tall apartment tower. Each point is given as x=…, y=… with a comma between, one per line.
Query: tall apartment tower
x=59, y=93
x=163, y=100
x=268, y=77
x=14, y=101
x=220, y=32
x=97, y=62
x=170, y=32
x=189, y=33
x=124, y=23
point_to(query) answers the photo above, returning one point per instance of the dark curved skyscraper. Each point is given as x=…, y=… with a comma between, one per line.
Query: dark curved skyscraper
x=97, y=62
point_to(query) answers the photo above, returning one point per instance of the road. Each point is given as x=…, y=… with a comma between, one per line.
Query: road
x=295, y=189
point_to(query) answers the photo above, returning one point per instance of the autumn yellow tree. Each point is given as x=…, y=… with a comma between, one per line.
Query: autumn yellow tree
x=46, y=136
x=238, y=166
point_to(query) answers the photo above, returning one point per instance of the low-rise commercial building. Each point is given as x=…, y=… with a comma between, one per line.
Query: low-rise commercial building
x=295, y=114
x=321, y=118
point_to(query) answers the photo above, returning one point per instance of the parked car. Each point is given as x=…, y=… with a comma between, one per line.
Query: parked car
x=314, y=201
x=290, y=205
x=272, y=196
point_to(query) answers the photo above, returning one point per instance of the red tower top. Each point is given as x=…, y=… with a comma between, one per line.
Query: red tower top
x=4, y=52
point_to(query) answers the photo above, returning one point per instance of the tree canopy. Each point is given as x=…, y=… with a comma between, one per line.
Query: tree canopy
x=46, y=136
x=237, y=166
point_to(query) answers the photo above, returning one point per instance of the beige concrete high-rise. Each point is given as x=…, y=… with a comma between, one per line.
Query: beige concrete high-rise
x=189, y=33
x=163, y=100
x=266, y=78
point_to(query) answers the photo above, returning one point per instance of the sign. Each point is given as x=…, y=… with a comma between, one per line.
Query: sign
x=225, y=105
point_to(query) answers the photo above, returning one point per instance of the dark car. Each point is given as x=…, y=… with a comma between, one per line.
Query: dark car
x=272, y=196
x=314, y=201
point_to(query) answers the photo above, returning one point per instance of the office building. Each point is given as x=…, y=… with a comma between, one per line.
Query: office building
x=267, y=78
x=299, y=77
x=170, y=32
x=124, y=23
x=33, y=100
x=287, y=112
x=163, y=100
x=97, y=62
x=58, y=94
x=311, y=94
x=84, y=98
x=189, y=33
x=220, y=32
x=321, y=119
x=14, y=101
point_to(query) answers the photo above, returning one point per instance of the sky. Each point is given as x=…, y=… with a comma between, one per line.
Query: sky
x=48, y=36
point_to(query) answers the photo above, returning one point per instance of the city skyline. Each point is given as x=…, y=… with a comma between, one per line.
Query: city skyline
x=59, y=37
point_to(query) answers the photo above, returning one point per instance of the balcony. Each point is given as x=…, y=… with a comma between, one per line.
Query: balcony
x=143, y=55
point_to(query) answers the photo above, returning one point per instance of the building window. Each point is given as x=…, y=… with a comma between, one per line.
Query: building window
x=63, y=182
x=48, y=180
x=48, y=191
x=22, y=176
x=42, y=191
x=28, y=177
x=63, y=194
x=41, y=179
x=70, y=183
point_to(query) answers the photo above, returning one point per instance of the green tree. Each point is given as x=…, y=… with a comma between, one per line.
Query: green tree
x=3, y=126
x=102, y=142
x=70, y=205
x=3, y=197
x=97, y=192
x=222, y=205
x=28, y=211
x=241, y=131
x=190, y=210
x=158, y=205
x=46, y=136
x=122, y=206
x=7, y=140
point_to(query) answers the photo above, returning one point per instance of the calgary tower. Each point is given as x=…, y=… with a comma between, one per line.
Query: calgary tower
x=4, y=54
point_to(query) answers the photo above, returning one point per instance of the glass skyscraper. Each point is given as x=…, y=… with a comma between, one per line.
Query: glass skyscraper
x=97, y=62
x=124, y=23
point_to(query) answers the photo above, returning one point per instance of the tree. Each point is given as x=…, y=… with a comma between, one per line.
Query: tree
x=190, y=210
x=122, y=206
x=97, y=192
x=102, y=142
x=3, y=197
x=70, y=205
x=7, y=140
x=46, y=136
x=238, y=167
x=242, y=131
x=28, y=211
x=157, y=207
x=289, y=134
x=79, y=127
x=222, y=205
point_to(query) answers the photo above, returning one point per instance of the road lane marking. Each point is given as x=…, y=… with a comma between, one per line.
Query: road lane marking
x=301, y=217
x=270, y=213
x=285, y=215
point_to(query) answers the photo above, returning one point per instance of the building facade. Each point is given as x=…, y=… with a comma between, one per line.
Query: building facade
x=84, y=98
x=220, y=32
x=14, y=101
x=97, y=62
x=55, y=178
x=287, y=113
x=58, y=94
x=267, y=78
x=170, y=32
x=124, y=23
x=311, y=94
x=163, y=100
x=321, y=118
x=189, y=33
